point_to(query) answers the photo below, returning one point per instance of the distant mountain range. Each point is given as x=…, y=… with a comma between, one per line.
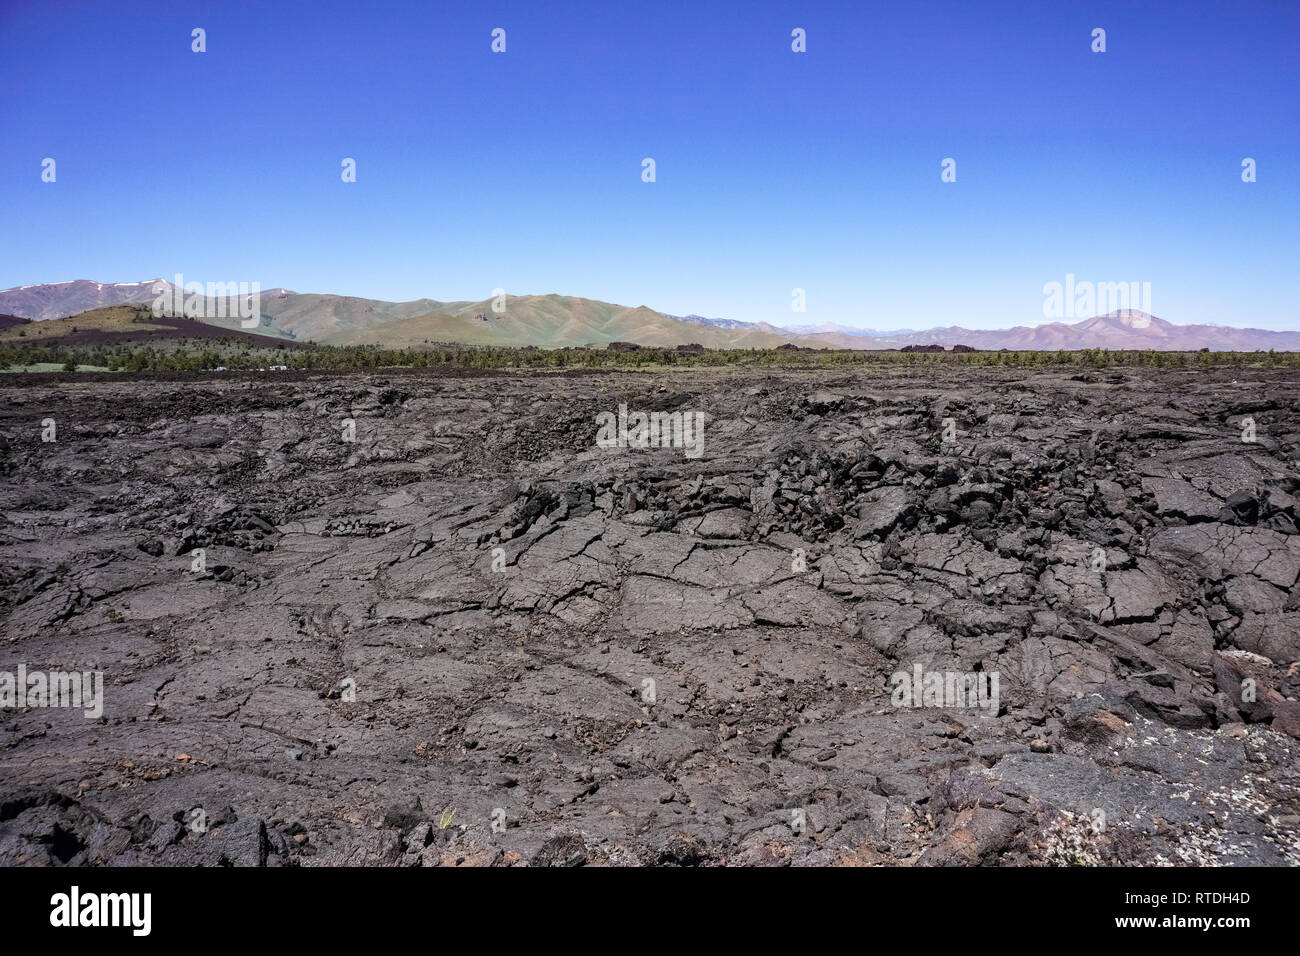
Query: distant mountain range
x=1122, y=329
x=824, y=327
x=722, y=323
x=556, y=321
x=58, y=300
x=844, y=330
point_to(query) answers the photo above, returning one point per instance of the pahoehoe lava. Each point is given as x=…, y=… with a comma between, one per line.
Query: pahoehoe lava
x=472, y=637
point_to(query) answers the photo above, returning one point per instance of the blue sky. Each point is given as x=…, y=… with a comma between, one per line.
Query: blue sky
x=775, y=170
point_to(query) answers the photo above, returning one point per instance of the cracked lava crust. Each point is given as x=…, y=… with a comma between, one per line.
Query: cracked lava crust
x=357, y=675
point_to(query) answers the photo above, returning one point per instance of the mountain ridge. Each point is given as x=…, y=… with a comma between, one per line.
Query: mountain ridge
x=554, y=321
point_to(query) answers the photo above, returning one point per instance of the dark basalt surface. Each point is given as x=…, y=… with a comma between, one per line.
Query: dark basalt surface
x=504, y=715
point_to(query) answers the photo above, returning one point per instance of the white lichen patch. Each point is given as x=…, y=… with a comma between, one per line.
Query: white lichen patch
x=1070, y=841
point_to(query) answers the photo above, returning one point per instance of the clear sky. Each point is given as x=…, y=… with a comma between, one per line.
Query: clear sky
x=775, y=170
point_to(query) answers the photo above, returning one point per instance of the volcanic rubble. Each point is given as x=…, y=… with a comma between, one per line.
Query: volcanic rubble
x=471, y=636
